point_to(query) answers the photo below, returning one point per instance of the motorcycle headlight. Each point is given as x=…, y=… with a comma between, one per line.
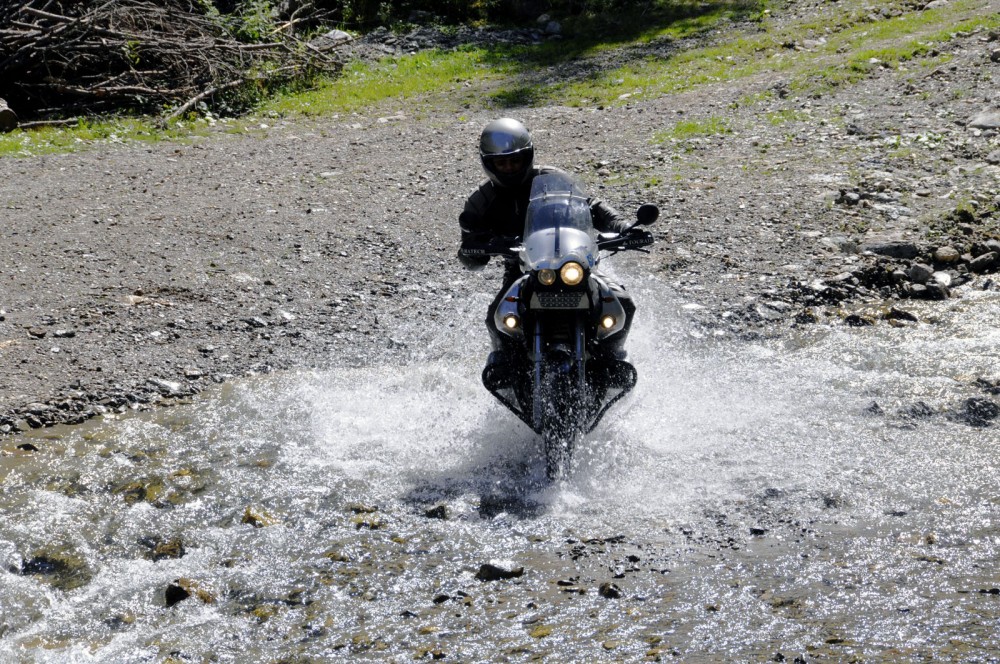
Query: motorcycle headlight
x=547, y=277
x=571, y=274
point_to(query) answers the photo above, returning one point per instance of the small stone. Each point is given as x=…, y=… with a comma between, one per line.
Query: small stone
x=167, y=388
x=609, y=590
x=491, y=572
x=37, y=333
x=946, y=255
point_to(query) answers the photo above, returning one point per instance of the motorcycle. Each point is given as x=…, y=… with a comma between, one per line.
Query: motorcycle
x=563, y=320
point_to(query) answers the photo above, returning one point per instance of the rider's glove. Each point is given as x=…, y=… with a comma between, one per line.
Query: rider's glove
x=473, y=259
x=638, y=237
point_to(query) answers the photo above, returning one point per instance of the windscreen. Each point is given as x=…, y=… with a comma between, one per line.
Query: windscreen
x=558, y=226
x=557, y=201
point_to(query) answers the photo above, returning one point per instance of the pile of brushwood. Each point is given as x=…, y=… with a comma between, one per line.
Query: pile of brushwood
x=65, y=58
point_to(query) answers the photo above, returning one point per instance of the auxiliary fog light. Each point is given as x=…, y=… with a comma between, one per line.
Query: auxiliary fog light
x=511, y=322
x=547, y=277
x=608, y=322
x=571, y=274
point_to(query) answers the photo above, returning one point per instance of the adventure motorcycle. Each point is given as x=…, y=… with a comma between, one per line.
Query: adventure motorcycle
x=563, y=319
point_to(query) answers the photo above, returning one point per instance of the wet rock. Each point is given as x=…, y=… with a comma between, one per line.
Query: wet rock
x=495, y=572
x=979, y=412
x=989, y=385
x=609, y=590
x=874, y=409
x=859, y=320
x=920, y=273
x=918, y=410
x=62, y=570
x=900, y=315
x=183, y=588
x=163, y=550
x=985, y=263
x=257, y=518
x=137, y=491
x=437, y=512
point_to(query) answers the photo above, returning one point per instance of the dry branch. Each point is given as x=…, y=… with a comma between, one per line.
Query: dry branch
x=135, y=54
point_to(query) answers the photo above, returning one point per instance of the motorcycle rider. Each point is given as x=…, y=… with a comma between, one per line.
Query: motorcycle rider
x=494, y=215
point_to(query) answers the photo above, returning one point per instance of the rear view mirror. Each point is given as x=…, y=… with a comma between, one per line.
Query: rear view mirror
x=647, y=214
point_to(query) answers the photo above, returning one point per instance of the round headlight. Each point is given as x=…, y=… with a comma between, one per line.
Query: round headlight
x=511, y=322
x=547, y=277
x=571, y=274
x=608, y=322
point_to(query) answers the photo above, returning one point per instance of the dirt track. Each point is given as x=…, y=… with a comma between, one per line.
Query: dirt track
x=133, y=274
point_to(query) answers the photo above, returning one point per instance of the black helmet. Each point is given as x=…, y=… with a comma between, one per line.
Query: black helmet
x=501, y=140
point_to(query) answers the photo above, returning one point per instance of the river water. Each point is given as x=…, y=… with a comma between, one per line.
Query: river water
x=746, y=503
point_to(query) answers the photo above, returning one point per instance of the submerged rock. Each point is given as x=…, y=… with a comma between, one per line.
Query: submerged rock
x=62, y=570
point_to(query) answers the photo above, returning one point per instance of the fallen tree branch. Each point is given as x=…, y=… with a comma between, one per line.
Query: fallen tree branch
x=137, y=54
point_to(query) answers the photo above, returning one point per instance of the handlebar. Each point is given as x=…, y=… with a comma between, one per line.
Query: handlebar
x=636, y=239
x=508, y=247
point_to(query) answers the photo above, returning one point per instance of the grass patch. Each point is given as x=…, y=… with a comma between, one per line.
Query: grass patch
x=686, y=129
x=51, y=140
x=394, y=80
x=786, y=115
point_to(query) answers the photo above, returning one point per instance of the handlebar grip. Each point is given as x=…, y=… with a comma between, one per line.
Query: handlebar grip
x=639, y=240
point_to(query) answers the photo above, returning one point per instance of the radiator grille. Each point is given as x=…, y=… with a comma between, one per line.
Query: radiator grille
x=562, y=300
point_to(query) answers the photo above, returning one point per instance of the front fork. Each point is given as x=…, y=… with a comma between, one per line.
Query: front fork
x=572, y=368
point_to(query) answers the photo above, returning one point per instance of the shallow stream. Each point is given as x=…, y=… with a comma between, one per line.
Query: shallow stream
x=747, y=503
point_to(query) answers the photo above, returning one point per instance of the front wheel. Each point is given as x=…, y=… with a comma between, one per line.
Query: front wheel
x=564, y=415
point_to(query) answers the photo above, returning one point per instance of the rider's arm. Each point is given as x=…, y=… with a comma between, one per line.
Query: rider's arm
x=476, y=235
x=606, y=218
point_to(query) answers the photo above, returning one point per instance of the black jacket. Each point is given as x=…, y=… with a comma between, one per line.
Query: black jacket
x=493, y=212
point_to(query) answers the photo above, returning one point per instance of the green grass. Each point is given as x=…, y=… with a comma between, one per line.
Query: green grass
x=51, y=140
x=685, y=129
x=393, y=80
